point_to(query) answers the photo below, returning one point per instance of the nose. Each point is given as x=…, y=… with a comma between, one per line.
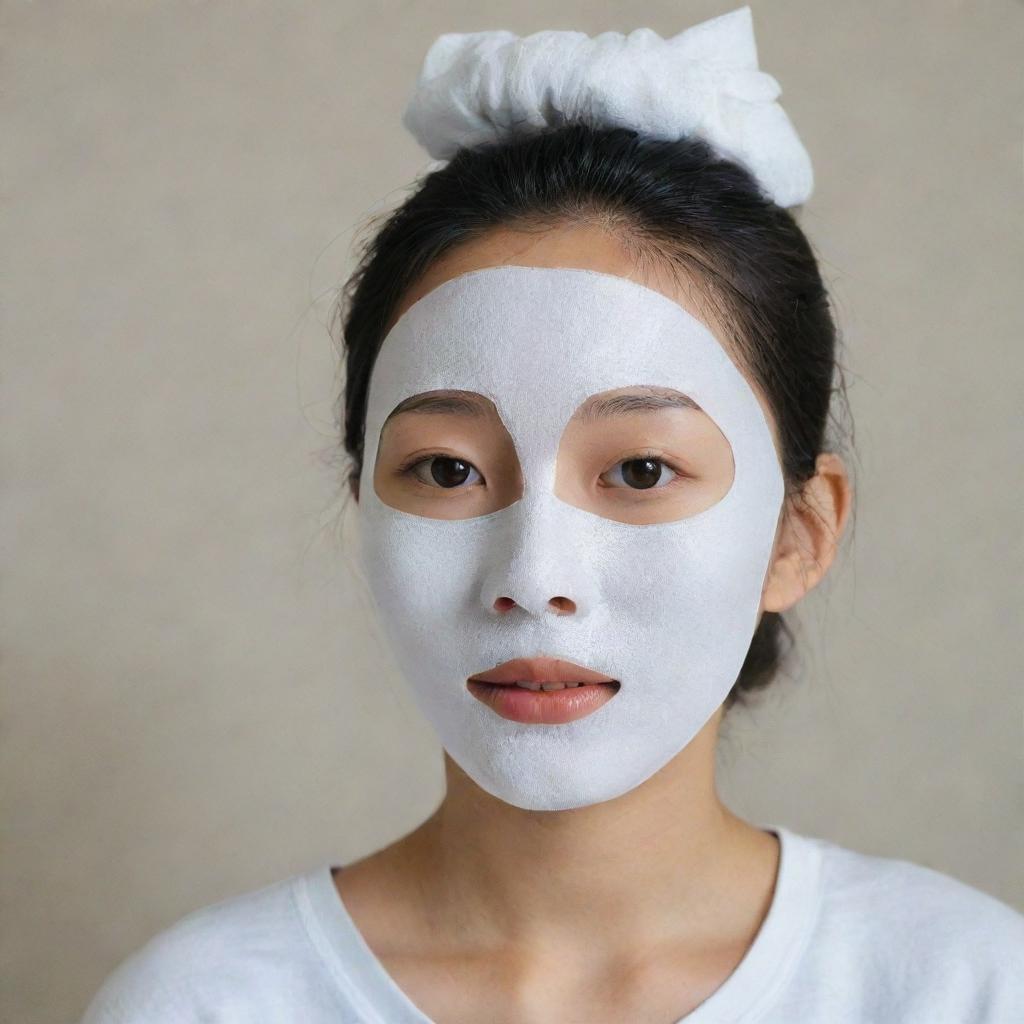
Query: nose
x=540, y=562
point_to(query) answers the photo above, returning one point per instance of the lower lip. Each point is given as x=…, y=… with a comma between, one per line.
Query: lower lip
x=543, y=707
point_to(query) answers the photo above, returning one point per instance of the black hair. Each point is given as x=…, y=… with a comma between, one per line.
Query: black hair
x=676, y=203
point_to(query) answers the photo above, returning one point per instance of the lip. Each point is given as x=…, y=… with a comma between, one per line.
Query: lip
x=551, y=707
x=540, y=670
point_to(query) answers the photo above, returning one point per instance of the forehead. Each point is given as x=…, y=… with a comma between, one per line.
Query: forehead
x=559, y=333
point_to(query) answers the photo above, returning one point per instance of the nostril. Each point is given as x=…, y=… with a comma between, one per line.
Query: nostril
x=559, y=605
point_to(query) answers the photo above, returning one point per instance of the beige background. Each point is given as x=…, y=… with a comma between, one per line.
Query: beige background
x=193, y=701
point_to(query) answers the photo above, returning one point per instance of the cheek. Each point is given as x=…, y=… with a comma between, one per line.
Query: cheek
x=422, y=571
x=680, y=574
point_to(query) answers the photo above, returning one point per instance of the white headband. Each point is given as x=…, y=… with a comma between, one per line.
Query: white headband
x=703, y=82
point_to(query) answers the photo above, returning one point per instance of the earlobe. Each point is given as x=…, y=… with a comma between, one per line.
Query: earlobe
x=809, y=534
x=784, y=581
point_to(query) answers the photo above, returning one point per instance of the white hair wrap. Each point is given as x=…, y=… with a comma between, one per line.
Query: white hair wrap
x=703, y=82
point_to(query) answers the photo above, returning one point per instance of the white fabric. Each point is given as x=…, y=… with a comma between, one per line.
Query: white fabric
x=704, y=81
x=849, y=939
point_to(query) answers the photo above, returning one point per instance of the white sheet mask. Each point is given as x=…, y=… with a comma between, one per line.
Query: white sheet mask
x=667, y=608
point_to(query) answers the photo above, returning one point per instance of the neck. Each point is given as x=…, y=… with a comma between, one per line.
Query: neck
x=666, y=862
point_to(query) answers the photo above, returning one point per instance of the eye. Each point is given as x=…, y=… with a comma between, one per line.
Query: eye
x=445, y=471
x=644, y=472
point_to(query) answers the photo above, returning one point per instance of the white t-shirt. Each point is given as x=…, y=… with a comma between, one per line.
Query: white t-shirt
x=849, y=937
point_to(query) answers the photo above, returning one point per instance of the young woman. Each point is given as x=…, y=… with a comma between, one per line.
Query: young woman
x=589, y=379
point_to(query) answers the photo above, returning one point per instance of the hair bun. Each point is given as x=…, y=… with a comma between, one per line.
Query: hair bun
x=705, y=82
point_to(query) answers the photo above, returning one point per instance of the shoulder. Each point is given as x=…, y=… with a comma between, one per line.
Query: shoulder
x=210, y=964
x=909, y=930
x=906, y=896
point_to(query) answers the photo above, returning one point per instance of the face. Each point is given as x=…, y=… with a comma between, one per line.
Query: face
x=562, y=463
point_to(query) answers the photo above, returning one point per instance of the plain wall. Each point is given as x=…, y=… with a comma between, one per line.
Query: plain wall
x=194, y=700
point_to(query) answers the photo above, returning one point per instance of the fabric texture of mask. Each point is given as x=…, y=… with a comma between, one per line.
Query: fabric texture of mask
x=668, y=609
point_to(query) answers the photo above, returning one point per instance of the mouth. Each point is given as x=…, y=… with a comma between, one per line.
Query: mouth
x=544, y=690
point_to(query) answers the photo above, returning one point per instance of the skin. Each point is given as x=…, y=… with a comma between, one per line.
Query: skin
x=637, y=908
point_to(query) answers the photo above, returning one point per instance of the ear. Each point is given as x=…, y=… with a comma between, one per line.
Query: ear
x=811, y=527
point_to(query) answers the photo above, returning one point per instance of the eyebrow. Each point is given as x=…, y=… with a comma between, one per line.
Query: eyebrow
x=639, y=399
x=472, y=406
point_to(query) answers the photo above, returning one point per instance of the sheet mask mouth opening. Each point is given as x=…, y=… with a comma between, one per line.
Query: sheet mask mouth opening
x=615, y=685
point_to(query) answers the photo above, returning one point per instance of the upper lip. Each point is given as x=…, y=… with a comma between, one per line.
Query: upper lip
x=540, y=670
